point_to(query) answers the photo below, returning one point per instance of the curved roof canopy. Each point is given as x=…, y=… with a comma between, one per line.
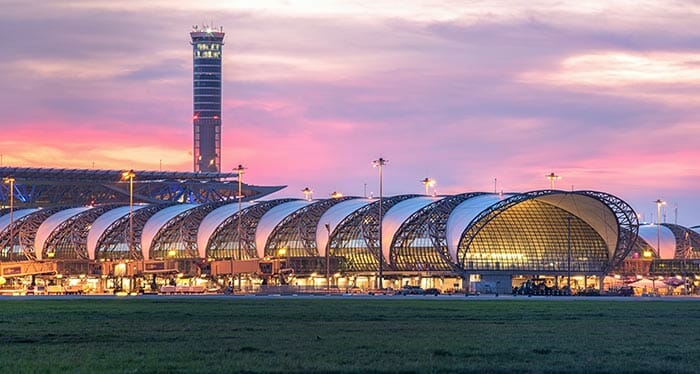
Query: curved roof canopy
x=103, y=222
x=653, y=234
x=16, y=215
x=396, y=216
x=271, y=219
x=333, y=217
x=156, y=223
x=212, y=221
x=50, y=224
x=462, y=216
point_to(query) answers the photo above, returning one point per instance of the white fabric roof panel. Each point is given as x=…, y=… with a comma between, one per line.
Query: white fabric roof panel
x=650, y=234
x=213, y=220
x=333, y=217
x=103, y=222
x=592, y=211
x=271, y=219
x=463, y=214
x=155, y=223
x=396, y=216
x=50, y=224
x=16, y=215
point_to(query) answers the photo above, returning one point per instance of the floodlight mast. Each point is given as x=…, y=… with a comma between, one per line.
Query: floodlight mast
x=379, y=163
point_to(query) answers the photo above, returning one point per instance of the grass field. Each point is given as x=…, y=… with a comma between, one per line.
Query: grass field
x=324, y=334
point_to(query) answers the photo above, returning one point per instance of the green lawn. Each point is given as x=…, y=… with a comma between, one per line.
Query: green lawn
x=333, y=334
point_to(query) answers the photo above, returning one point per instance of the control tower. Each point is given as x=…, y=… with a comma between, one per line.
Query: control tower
x=206, y=45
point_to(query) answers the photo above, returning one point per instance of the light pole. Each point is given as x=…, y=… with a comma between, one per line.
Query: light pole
x=240, y=169
x=658, y=203
x=379, y=163
x=328, y=256
x=552, y=179
x=11, y=182
x=428, y=182
x=129, y=175
x=307, y=193
x=568, y=243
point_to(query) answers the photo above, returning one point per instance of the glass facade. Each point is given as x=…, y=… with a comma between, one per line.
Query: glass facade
x=533, y=236
x=207, y=46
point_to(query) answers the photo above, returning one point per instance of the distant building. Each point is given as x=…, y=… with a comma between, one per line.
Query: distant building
x=207, y=44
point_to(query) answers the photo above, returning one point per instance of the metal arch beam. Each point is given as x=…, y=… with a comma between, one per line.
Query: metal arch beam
x=69, y=239
x=362, y=226
x=181, y=230
x=114, y=239
x=300, y=227
x=224, y=237
x=624, y=214
x=28, y=229
x=430, y=220
x=627, y=221
x=686, y=241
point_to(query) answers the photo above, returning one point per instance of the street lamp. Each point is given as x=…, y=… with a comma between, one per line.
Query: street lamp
x=568, y=242
x=658, y=203
x=307, y=193
x=240, y=169
x=379, y=163
x=552, y=179
x=336, y=195
x=428, y=182
x=328, y=263
x=11, y=182
x=129, y=175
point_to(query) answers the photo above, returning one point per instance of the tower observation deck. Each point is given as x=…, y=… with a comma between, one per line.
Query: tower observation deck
x=207, y=44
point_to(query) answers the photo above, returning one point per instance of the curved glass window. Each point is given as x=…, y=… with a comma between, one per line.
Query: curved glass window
x=533, y=236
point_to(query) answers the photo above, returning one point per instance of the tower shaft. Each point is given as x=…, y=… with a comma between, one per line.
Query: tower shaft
x=206, y=119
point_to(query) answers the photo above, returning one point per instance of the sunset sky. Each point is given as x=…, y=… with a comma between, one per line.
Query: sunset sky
x=604, y=93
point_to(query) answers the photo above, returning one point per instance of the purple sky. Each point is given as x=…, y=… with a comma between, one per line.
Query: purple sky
x=604, y=95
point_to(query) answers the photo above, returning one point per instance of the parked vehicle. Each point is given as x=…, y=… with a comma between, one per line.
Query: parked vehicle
x=410, y=290
x=432, y=291
x=36, y=290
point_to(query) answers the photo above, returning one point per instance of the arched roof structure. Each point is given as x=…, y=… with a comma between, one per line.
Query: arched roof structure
x=396, y=216
x=470, y=232
x=298, y=231
x=156, y=223
x=536, y=231
x=224, y=241
x=271, y=219
x=98, y=228
x=420, y=243
x=668, y=241
x=213, y=220
x=50, y=224
x=332, y=217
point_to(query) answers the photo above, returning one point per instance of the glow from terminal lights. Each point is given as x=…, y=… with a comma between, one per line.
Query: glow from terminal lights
x=504, y=256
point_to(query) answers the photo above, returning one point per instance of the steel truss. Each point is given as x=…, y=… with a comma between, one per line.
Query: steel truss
x=223, y=243
x=297, y=232
x=420, y=243
x=113, y=244
x=687, y=242
x=356, y=238
x=27, y=228
x=68, y=241
x=180, y=234
x=628, y=226
x=74, y=187
x=24, y=231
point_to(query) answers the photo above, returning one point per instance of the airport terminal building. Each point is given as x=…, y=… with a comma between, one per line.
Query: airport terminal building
x=468, y=240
